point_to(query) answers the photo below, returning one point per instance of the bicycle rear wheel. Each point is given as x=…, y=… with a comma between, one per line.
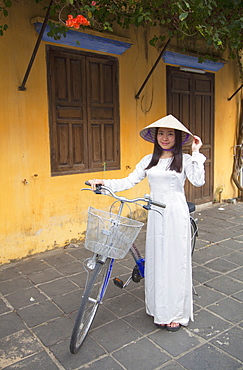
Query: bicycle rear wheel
x=194, y=234
x=91, y=300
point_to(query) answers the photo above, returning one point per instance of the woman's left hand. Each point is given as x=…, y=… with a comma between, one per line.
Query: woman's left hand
x=197, y=143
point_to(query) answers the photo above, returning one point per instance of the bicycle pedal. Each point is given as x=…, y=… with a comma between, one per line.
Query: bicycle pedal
x=118, y=283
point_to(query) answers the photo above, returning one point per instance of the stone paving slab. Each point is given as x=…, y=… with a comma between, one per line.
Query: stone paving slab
x=10, y=323
x=209, y=357
x=40, y=296
x=38, y=361
x=231, y=342
x=142, y=354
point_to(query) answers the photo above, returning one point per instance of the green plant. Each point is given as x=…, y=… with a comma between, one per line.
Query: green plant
x=218, y=22
x=4, y=9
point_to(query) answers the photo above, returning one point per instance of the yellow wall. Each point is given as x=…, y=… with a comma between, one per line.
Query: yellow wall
x=50, y=212
x=227, y=115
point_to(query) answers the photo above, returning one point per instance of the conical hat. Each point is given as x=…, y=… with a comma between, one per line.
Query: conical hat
x=148, y=133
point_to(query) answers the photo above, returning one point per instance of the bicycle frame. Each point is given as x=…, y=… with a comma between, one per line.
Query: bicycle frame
x=107, y=279
x=137, y=259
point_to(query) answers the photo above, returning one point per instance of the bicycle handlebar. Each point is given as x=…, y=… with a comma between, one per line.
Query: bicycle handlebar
x=147, y=198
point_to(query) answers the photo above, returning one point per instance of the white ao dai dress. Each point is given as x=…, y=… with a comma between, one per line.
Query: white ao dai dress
x=168, y=271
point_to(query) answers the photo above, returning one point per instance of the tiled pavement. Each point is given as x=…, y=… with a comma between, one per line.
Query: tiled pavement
x=40, y=296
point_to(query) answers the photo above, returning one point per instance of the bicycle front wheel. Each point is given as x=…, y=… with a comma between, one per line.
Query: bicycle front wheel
x=194, y=233
x=91, y=300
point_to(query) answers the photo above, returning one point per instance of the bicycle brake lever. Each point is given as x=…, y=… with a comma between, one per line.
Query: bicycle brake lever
x=98, y=189
x=147, y=207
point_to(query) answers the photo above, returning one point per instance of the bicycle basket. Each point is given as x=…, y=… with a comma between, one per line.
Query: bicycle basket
x=110, y=235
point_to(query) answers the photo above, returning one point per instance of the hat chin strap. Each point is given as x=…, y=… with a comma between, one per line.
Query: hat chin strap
x=186, y=138
x=168, y=150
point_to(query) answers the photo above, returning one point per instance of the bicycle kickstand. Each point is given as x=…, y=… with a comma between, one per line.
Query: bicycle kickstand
x=194, y=290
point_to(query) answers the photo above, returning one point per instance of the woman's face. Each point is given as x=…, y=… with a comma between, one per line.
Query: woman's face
x=166, y=138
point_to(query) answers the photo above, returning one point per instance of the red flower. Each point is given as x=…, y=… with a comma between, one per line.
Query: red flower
x=77, y=22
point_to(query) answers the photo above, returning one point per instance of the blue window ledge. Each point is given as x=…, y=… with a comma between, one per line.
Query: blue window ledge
x=183, y=60
x=86, y=41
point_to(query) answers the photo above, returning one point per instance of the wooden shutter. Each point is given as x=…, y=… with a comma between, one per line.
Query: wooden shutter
x=103, y=131
x=190, y=98
x=84, y=118
x=68, y=112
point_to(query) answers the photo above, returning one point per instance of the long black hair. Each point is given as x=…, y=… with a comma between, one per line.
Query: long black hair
x=176, y=163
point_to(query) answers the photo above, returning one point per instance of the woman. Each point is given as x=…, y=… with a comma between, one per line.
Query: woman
x=168, y=273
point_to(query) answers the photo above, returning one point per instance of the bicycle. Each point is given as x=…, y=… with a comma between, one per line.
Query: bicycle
x=110, y=236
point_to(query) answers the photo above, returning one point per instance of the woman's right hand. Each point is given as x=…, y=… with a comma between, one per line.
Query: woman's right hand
x=95, y=182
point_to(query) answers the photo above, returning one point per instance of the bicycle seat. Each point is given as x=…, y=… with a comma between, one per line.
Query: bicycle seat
x=191, y=207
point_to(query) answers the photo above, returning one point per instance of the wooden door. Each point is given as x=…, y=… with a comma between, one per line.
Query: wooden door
x=190, y=98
